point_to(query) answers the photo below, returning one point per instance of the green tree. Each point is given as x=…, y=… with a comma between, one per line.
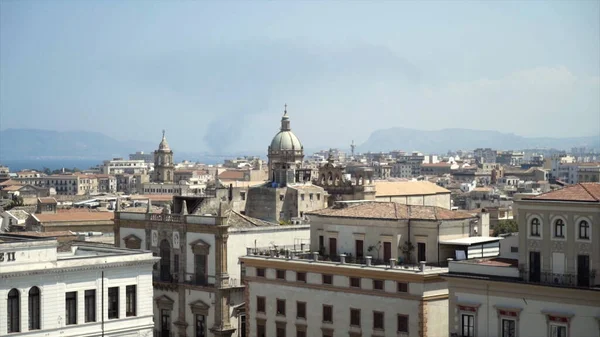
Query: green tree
x=506, y=226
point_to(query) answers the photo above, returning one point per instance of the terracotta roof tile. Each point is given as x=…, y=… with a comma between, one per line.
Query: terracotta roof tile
x=391, y=211
x=75, y=217
x=579, y=192
x=9, y=182
x=232, y=175
x=47, y=200
x=12, y=188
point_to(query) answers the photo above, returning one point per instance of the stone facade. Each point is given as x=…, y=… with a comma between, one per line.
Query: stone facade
x=163, y=162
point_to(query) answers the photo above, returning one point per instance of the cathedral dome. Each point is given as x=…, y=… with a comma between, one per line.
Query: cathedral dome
x=285, y=139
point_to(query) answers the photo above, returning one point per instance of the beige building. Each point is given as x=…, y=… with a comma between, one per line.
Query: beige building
x=552, y=289
x=421, y=193
x=362, y=279
x=589, y=173
x=197, y=284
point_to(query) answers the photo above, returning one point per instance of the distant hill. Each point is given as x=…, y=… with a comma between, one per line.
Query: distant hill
x=35, y=144
x=441, y=141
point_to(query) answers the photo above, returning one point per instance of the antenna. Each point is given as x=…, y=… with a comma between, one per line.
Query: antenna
x=352, y=147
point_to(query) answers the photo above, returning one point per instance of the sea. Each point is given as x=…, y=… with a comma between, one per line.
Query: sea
x=53, y=164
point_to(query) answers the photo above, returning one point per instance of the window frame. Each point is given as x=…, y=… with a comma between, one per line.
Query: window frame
x=327, y=311
x=470, y=319
x=357, y=311
x=378, y=316
x=261, y=304
x=355, y=282
x=113, y=300
x=538, y=226
x=399, y=317
x=260, y=272
x=301, y=279
x=13, y=317
x=378, y=282
x=89, y=309
x=131, y=300
x=507, y=319
x=327, y=279
x=34, y=308
x=280, y=274
x=280, y=307
x=402, y=287
x=300, y=304
x=559, y=222
x=588, y=230
x=71, y=308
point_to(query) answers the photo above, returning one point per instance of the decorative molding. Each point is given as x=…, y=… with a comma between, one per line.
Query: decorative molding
x=585, y=248
x=558, y=246
x=154, y=235
x=132, y=241
x=200, y=247
x=176, y=242
x=199, y=308
x=533, y=244
x=164, y=302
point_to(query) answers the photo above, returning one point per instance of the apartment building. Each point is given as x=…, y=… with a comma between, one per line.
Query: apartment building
x=120, y=166
x=552, y=289
x=197, y=285
x=81, y=289
x=361, y=276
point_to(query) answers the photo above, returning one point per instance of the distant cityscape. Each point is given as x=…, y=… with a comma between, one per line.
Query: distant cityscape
x=398, y=243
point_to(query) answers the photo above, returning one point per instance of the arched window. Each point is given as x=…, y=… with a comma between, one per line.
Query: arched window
x=584, y=230
x=559, y=228
x=14, y=322
x=535, y=227
x=165, y=261
x=34, y=308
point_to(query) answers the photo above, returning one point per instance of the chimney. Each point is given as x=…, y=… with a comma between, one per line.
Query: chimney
x=368, y=260
x=343, y=258
x=184, y=210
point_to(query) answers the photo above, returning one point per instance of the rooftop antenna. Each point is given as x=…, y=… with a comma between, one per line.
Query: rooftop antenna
x=352, y=147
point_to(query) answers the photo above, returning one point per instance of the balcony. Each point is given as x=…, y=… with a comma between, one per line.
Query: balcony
x=196, y=280
x=565, y=280
x=162, y=333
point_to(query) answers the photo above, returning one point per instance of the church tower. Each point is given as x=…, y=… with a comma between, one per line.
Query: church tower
x=163, y=162
x=285, y=154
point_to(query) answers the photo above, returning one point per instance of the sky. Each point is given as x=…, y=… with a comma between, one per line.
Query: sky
x=216, y=75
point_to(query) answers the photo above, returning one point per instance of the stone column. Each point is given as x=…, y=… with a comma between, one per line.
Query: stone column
x=222, y=325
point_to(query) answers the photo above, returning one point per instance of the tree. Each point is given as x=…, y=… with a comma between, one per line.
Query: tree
x=506, y=226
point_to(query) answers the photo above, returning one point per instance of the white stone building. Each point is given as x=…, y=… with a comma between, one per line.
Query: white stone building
x=84, y=290
x=552, y=287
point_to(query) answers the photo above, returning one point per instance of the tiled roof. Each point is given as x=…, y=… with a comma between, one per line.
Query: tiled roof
x=390, y=211
x=396, y=188
x=12, y=188
x=232, y=175
x=46, y=234
x=579, y=192
x=436, y=165
x=75, y=217
x=9, y=182
x=47, y=200
x=19, y=214
x=237, y=220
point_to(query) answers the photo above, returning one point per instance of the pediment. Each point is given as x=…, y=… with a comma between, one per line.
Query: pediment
x=164, y=302
x=200, y=247
x=132, y=242
x=132, y=237
x=199, y=307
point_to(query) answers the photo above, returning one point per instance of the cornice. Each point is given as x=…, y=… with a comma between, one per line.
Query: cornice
x=60, y=270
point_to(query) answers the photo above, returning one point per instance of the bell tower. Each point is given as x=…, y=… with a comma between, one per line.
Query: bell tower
x=163, y=162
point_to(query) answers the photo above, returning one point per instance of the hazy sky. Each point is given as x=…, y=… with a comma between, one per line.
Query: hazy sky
x=216, y=75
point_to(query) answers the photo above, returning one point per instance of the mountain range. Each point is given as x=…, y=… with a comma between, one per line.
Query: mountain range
x=440, y=141
x=33, y=144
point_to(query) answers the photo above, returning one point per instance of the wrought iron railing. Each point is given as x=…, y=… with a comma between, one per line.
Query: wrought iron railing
x=163, y=333
x=560, y=279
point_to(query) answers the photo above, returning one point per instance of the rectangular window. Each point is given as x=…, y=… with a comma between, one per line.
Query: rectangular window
x=242, y=326
x=300, y=277
x=359, y=248
x=354, y=317
x=280, y=331
x=302, y=197
x=260, y=328
x=71, y=307
x=201, y=326
x=327, y=279
x=318, y=196
x=355, y=282
x=113, y=302
x=310, y=196
x=243, y=195
x=378, y=320
x=280, y=307
x=90, y=305
x=402, y=323
x=468, y=325
x=514, y=249
x=300, y=333
x=402, y=287
x=378, y=284
x=301, y=310
x=280, y=274
x=558, y=331
x=508, y=328
x=260, y=272
x=327, y=313
x=131, y=300
x=260, y=304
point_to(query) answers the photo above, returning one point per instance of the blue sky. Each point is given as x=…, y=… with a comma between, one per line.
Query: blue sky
x=215, y=75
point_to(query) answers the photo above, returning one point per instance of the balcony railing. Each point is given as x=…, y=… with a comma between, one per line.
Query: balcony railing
x=568, y=280
x=197, y=280
x=166, y=217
